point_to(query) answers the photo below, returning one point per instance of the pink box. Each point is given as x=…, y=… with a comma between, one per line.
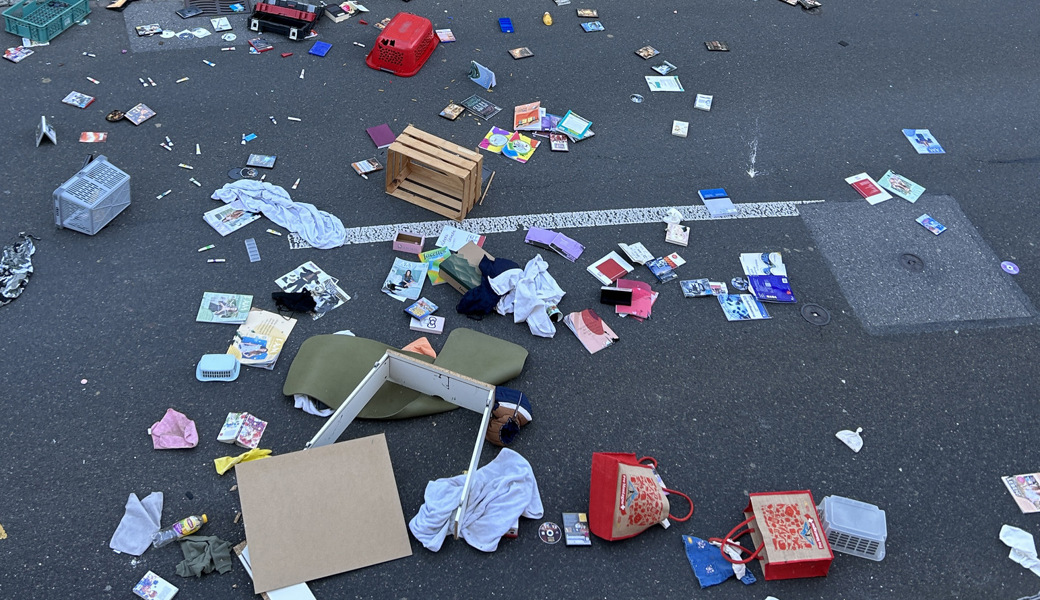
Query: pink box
x=251, y=432
x=406, y=241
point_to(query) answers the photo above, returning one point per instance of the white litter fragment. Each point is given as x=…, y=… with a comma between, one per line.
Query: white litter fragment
x=1023, y=547
x=673, y=216
x=851, y=439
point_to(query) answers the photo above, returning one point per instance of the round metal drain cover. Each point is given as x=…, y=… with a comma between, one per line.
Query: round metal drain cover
x=816, y=314
x=912, y=263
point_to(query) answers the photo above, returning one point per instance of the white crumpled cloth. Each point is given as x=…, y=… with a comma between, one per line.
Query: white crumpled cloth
x=527, y=294
x=501, y=492
x=1023, y=548
x=320, y=229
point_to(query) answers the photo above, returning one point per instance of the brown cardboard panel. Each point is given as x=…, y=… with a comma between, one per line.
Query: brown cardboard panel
x=322, y=511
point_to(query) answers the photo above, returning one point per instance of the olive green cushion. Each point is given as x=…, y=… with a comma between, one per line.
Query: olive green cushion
x=329, y=367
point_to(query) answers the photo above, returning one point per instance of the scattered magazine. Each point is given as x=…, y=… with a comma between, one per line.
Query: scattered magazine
x=495, y=140
x=767, y=276
x=454, y=238
x=923, y=141
x=480, y=107
x=17, y=54
x=742, y=307
x=520, y=147
x=259, y=340
x=1025, y=489
x=658, y=83
x=325, y=289
x=77, y=99
x=224, y=308
x=900, y=186
x=931, y=224
x=433, y=259
x=405, y=280
x=230, y=217
x=696, y=288
x=664, y=267
x=636, y=252
x=590, y=330
x=610, y=268
x=868, y=188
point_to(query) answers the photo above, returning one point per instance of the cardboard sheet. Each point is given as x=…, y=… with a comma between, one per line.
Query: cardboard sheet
x=322, y=511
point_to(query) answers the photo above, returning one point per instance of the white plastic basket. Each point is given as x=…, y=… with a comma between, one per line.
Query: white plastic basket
x=854, y=527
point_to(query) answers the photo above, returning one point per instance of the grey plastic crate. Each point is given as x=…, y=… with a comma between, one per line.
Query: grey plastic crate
x=92, y=198
x=854, y=527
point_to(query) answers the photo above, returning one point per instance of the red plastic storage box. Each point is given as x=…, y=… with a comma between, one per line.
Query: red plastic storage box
x=404, y=46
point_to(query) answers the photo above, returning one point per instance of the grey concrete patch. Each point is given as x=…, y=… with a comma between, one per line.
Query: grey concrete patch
x=164, y=13
x=961, y=284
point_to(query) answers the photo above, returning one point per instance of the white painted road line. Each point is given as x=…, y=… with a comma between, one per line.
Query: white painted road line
x=570, y=220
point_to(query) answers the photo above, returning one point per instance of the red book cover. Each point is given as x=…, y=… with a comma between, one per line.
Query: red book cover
x=610, y=268
x=866, y=188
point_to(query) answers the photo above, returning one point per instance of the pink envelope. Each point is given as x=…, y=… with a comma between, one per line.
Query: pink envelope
x=174, y=430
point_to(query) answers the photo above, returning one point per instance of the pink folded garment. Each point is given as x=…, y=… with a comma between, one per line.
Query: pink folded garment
x=174, y=430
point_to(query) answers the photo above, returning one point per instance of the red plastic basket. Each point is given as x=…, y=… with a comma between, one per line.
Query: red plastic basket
x=404, y=46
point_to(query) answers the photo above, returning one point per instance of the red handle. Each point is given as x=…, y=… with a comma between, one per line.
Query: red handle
x=731, y=541
x=689, y=514
x=649, y=458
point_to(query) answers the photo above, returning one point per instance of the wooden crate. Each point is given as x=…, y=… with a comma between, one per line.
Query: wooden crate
x=433, y=173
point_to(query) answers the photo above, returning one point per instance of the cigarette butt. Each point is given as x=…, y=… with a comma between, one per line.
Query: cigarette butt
x=197, y=149
x=273, y=232
x=143, y=82
x=160, y=196
x=169, y=141
x=212, y=64
x=163, y=144
x=263, y=177
x=182, y=80
x=90, y=55
x=184, y=166
x=215, y=260
x=92, y=80
x=365, y=176
x=301, y=73
x=296, y=184
x=204, y=248
x=195, y=182
x=297, y=119
x=359, y=44
x=152, y=82
x=273, y=119
x=233, y=488
x=238, y=516
x=228, y=48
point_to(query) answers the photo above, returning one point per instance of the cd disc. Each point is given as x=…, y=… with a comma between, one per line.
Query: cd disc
x=167, y=33
x=1009, y=267
x=549, y=532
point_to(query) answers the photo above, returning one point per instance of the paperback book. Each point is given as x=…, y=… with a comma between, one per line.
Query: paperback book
x=405, y=280
x=259, y=340
x=868, y=188
x=229, y=218
x=901, y=186
x=610, y=268
x=224, y=308
x=742, y=307
x=590, y=330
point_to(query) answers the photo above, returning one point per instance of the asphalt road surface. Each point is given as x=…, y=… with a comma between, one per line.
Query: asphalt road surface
x=937, y=366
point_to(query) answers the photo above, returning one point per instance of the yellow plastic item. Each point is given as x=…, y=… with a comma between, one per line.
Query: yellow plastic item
x=224, y=463
x=547, y=19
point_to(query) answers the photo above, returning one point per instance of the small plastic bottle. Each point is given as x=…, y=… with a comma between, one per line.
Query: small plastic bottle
x=178, y=530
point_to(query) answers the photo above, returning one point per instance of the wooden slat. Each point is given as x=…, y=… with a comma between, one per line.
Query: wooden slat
x=454, y=185
x=419, y=189
x=432, y=139
x=424, y=203
x=434, y=157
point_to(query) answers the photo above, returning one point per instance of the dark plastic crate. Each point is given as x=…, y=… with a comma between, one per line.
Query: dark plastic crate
x=43, y=21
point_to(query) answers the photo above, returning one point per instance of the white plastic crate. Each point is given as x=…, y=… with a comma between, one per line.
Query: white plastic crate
x=854, y=527
x=92, y=198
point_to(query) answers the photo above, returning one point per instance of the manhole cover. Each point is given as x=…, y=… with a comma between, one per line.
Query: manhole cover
x=912, y=263
x=816, y=314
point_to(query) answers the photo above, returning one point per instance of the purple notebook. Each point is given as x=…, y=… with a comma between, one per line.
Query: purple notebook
x=381, y=135
x=557, y=242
